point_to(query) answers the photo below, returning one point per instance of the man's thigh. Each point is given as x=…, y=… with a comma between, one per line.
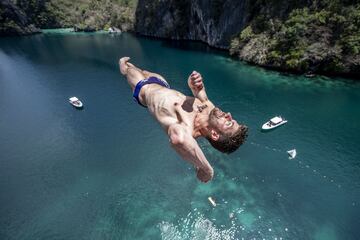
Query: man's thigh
x=148, y=74
x=134, y=76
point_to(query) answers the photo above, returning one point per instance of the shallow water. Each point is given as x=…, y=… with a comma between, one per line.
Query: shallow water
x=108, y=172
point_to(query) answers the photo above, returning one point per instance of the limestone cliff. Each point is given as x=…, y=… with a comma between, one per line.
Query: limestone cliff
x=317, y=36
x=14, y=21
x=212, y=21
x=19, y=17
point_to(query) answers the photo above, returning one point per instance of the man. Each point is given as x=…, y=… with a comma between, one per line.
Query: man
x=185, y=118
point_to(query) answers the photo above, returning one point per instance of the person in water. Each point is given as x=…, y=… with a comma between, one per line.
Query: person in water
x=185, y=118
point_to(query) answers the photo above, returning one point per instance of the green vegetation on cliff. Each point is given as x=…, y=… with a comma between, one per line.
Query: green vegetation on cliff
x=92, y=14
x=82, y=14
x=323, y=38
x=13, y=21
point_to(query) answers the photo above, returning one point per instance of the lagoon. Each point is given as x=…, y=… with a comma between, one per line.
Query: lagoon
x=108, y=172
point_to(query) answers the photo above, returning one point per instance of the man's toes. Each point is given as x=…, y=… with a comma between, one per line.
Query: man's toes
x=124, y=59
x=130, y=64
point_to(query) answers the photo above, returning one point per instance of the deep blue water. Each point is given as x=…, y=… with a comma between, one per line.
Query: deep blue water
x=108, y=172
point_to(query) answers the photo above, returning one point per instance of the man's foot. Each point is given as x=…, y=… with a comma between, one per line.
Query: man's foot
x=123, y=65
x=132, y=65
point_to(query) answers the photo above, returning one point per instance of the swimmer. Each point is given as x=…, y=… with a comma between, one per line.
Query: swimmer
x=185, y=118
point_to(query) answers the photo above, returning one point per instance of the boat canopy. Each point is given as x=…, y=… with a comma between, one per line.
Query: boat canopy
x=73, y=99
x=276, y=120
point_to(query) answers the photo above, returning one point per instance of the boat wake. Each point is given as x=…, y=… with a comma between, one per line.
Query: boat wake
x=301, y=162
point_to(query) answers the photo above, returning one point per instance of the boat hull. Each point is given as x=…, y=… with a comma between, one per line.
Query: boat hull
x=267, y=127
x=80, y=105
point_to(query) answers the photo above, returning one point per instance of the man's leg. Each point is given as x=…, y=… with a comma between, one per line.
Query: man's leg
x=148, y=74
x=132, y=73
x=124, y=69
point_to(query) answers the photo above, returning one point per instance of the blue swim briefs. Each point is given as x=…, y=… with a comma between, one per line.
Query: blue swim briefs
x=145, y=81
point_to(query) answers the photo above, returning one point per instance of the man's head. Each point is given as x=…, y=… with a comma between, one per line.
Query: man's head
x=225, y=134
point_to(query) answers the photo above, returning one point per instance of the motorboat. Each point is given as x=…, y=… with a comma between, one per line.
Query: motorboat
x=273, y=123
x=75, y=102
x=292, y=153
x=309, y=74
x=114, y=30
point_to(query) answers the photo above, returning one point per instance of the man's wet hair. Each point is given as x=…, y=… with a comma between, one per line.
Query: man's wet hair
x=228, y=144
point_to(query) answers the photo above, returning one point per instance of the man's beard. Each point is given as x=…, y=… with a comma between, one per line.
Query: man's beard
x=215, y=113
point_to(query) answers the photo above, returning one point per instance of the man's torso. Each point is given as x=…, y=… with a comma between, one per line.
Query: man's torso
x=169, y=107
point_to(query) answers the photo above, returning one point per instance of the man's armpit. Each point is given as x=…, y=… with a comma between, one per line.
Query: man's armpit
x=176, y=134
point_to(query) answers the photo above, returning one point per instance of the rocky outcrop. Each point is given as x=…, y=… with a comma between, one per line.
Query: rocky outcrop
x=85, y=15
x=323, y=39
x=100, y=15
x=13, y=21
x=212, y=21
x=320, y=36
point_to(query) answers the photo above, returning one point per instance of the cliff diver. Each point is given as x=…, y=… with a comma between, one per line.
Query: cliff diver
x=185, y=118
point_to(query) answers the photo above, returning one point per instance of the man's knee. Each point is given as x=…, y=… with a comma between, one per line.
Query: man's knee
x=146, y=73
x=135, y=73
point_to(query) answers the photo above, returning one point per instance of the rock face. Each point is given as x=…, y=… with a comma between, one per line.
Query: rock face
x=213, y=22
x=14, y=21
x=317, y=36
x=18, y=17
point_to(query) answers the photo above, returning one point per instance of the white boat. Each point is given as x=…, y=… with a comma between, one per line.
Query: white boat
x=274, y=122
x=292, y=153
x=75, y=102
x=114, y=30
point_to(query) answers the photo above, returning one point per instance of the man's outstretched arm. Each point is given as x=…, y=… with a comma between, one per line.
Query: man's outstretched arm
x=196, y=84
x=188, y=148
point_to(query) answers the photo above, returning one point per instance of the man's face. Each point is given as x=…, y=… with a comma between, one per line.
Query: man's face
x=222, y=122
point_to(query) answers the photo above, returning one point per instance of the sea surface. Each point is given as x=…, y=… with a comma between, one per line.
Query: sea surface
x=108, y=172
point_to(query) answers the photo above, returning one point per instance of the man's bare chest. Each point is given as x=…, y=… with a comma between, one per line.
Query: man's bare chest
x=171, y=107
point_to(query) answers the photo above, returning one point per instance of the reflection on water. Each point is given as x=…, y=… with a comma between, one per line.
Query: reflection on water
x=273, y=79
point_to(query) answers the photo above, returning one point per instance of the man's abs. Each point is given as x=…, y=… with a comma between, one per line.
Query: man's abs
x=169, y=106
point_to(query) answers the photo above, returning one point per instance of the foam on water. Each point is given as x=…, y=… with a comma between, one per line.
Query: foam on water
x=240, y=224
x=196, y=227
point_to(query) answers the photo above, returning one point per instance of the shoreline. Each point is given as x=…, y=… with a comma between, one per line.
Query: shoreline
x=348, y=76
x=205, y=47
x=68, y=31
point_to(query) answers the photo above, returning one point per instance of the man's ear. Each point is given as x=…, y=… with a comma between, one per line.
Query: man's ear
x=214, y=135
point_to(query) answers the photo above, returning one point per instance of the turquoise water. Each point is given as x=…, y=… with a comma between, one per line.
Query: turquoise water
x=108, y=172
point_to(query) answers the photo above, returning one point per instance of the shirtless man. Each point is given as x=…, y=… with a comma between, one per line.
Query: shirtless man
x=185, y=118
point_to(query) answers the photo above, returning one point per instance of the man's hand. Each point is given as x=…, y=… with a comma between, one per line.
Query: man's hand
x=196, y=84
x=204, y=175
x=195, y=81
